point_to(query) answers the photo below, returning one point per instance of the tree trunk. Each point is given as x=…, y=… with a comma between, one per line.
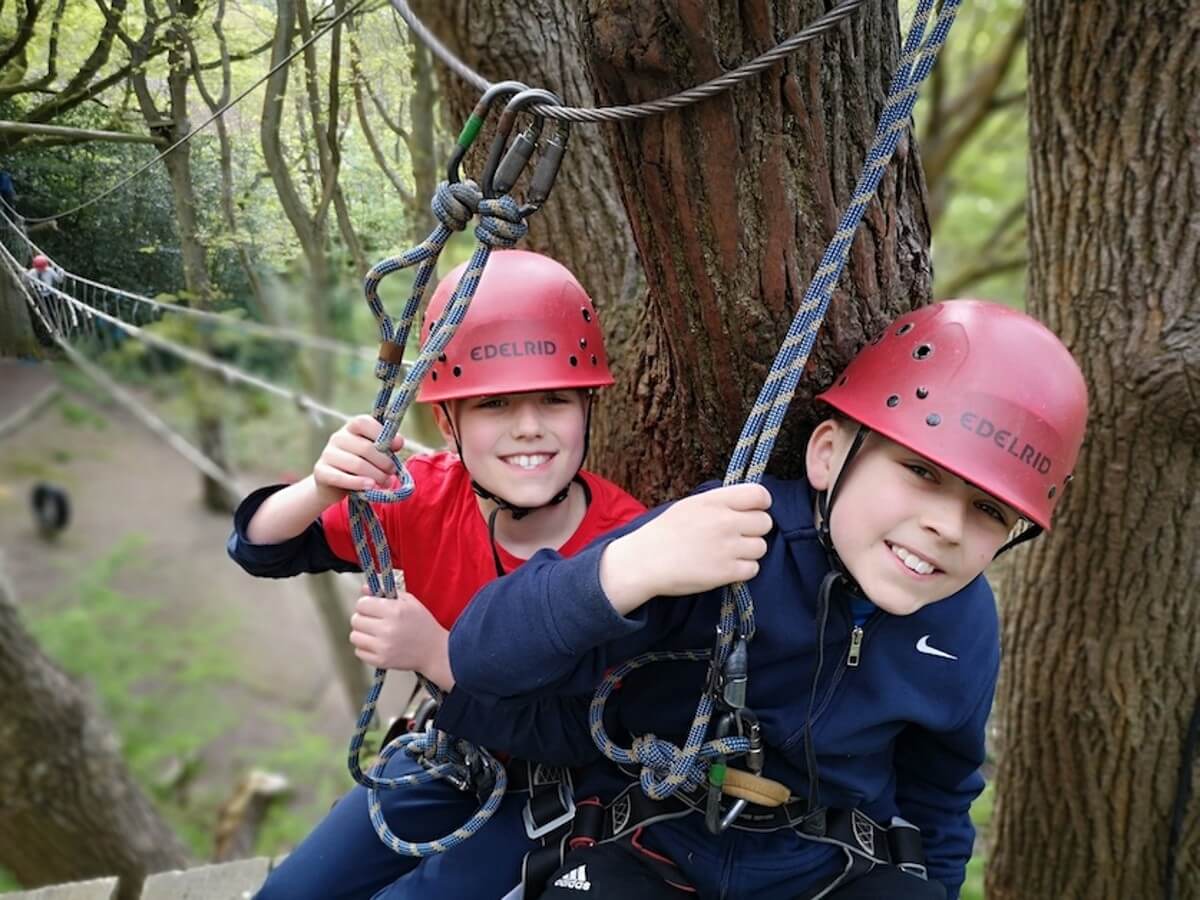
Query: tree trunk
x=204, y=388
x=583, y=225
x=731, y=204
x=71, y=809
x=1102, y=631
x=16, y=329
x=317, y=381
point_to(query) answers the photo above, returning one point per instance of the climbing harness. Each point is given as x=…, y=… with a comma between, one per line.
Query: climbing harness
x=502, y=224
x=865, y=842
x=668, y=771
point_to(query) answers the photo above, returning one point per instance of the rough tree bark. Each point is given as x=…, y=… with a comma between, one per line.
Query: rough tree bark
x=731, y=204
x=70, y=810
x=539, y=43
x=1102, y=630
x=583, y=225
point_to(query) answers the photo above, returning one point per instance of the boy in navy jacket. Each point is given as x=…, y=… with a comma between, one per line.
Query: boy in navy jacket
x=873, y=667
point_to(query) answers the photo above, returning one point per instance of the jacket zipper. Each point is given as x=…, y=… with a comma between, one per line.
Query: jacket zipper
x=852, y=659
x=855, y=652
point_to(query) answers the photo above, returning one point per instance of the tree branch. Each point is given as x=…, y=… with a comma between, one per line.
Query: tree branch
x=24, y=33
x=963, y=116
x=368, y=132
x=973, y=274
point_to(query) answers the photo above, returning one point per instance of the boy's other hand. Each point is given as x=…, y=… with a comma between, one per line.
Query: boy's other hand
x=400, y=634
x=350, y=461
x=702, y=542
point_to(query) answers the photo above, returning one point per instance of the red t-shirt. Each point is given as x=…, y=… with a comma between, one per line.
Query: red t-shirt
x=440, y=540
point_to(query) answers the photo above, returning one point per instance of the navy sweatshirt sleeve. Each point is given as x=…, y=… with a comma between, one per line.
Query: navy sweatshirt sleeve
x=550, y=730
x=937, y=778
x=549, y=628
x=307, y=552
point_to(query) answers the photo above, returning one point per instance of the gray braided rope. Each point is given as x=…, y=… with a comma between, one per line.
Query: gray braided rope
x=501, y=225
x=691, y=96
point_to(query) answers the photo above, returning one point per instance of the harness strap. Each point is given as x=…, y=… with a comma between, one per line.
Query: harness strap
x=865, y=842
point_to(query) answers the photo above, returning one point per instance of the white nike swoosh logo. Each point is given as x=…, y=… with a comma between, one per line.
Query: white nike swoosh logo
x=923, y=647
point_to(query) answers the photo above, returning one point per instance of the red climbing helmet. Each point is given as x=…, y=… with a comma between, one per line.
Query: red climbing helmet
x=530, y=327
x=979, y=388
x=40, y=262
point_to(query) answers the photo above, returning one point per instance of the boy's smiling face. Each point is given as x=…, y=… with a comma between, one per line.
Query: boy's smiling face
x=909, y=532
x=522, y=447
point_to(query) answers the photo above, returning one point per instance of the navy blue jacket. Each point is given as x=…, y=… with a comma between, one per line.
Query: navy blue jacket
x=900, y=734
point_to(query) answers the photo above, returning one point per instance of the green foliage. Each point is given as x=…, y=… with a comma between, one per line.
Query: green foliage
x=156, y=678
x=76, y=415
x=984, y=185
x=981, y=816
x=310, y=760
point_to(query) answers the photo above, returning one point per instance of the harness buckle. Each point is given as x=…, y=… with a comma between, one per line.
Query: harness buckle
x=534, y=831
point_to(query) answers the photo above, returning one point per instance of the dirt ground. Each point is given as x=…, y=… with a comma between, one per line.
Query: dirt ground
x=123, y=482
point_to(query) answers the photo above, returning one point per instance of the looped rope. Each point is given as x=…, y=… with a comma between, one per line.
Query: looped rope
x=500, y=223
x=441, y=756
x=672, y=767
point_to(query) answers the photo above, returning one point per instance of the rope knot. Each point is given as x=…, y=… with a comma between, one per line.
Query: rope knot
x=455, y=204
x=500, y=223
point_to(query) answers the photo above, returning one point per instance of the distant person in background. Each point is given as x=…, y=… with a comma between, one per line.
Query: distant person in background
x=43, y=272
x=8, y=191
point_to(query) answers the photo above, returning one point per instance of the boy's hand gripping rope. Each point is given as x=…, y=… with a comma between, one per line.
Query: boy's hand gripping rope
x=501, y=225
x=665, y=767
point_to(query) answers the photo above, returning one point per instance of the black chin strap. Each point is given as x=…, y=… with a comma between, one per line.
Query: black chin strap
x=520, y=512
x=825, y=511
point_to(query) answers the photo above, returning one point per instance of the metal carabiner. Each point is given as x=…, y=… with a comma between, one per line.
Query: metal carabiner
x=500, y=176
x=756, y=755
x=474, y=124
x=717, y=820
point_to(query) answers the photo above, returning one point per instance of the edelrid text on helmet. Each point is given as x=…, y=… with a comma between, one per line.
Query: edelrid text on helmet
x=982, y=390
x=530, y=327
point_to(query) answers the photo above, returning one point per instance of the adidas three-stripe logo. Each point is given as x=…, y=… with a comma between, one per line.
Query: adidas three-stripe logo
x=575, y=880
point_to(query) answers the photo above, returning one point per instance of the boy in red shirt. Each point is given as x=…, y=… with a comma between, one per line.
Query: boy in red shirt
x=513, y=394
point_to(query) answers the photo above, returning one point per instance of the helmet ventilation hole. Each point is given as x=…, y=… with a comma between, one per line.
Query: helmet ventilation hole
x=457, y=371
x=923, y=351
x=594, y=360
x=893, y=400
x=1050, y=493
x=933, y=420
x=583, y=343
x=574, y=361
x=442, y=358
x=879, y=337
x=842, y=381
x=433, y=375
x=587, y=314
x=922, y=393
x=904, y=329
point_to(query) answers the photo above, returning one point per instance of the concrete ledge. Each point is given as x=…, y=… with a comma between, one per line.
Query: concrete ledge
x=100, y=889
x=225, y=881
